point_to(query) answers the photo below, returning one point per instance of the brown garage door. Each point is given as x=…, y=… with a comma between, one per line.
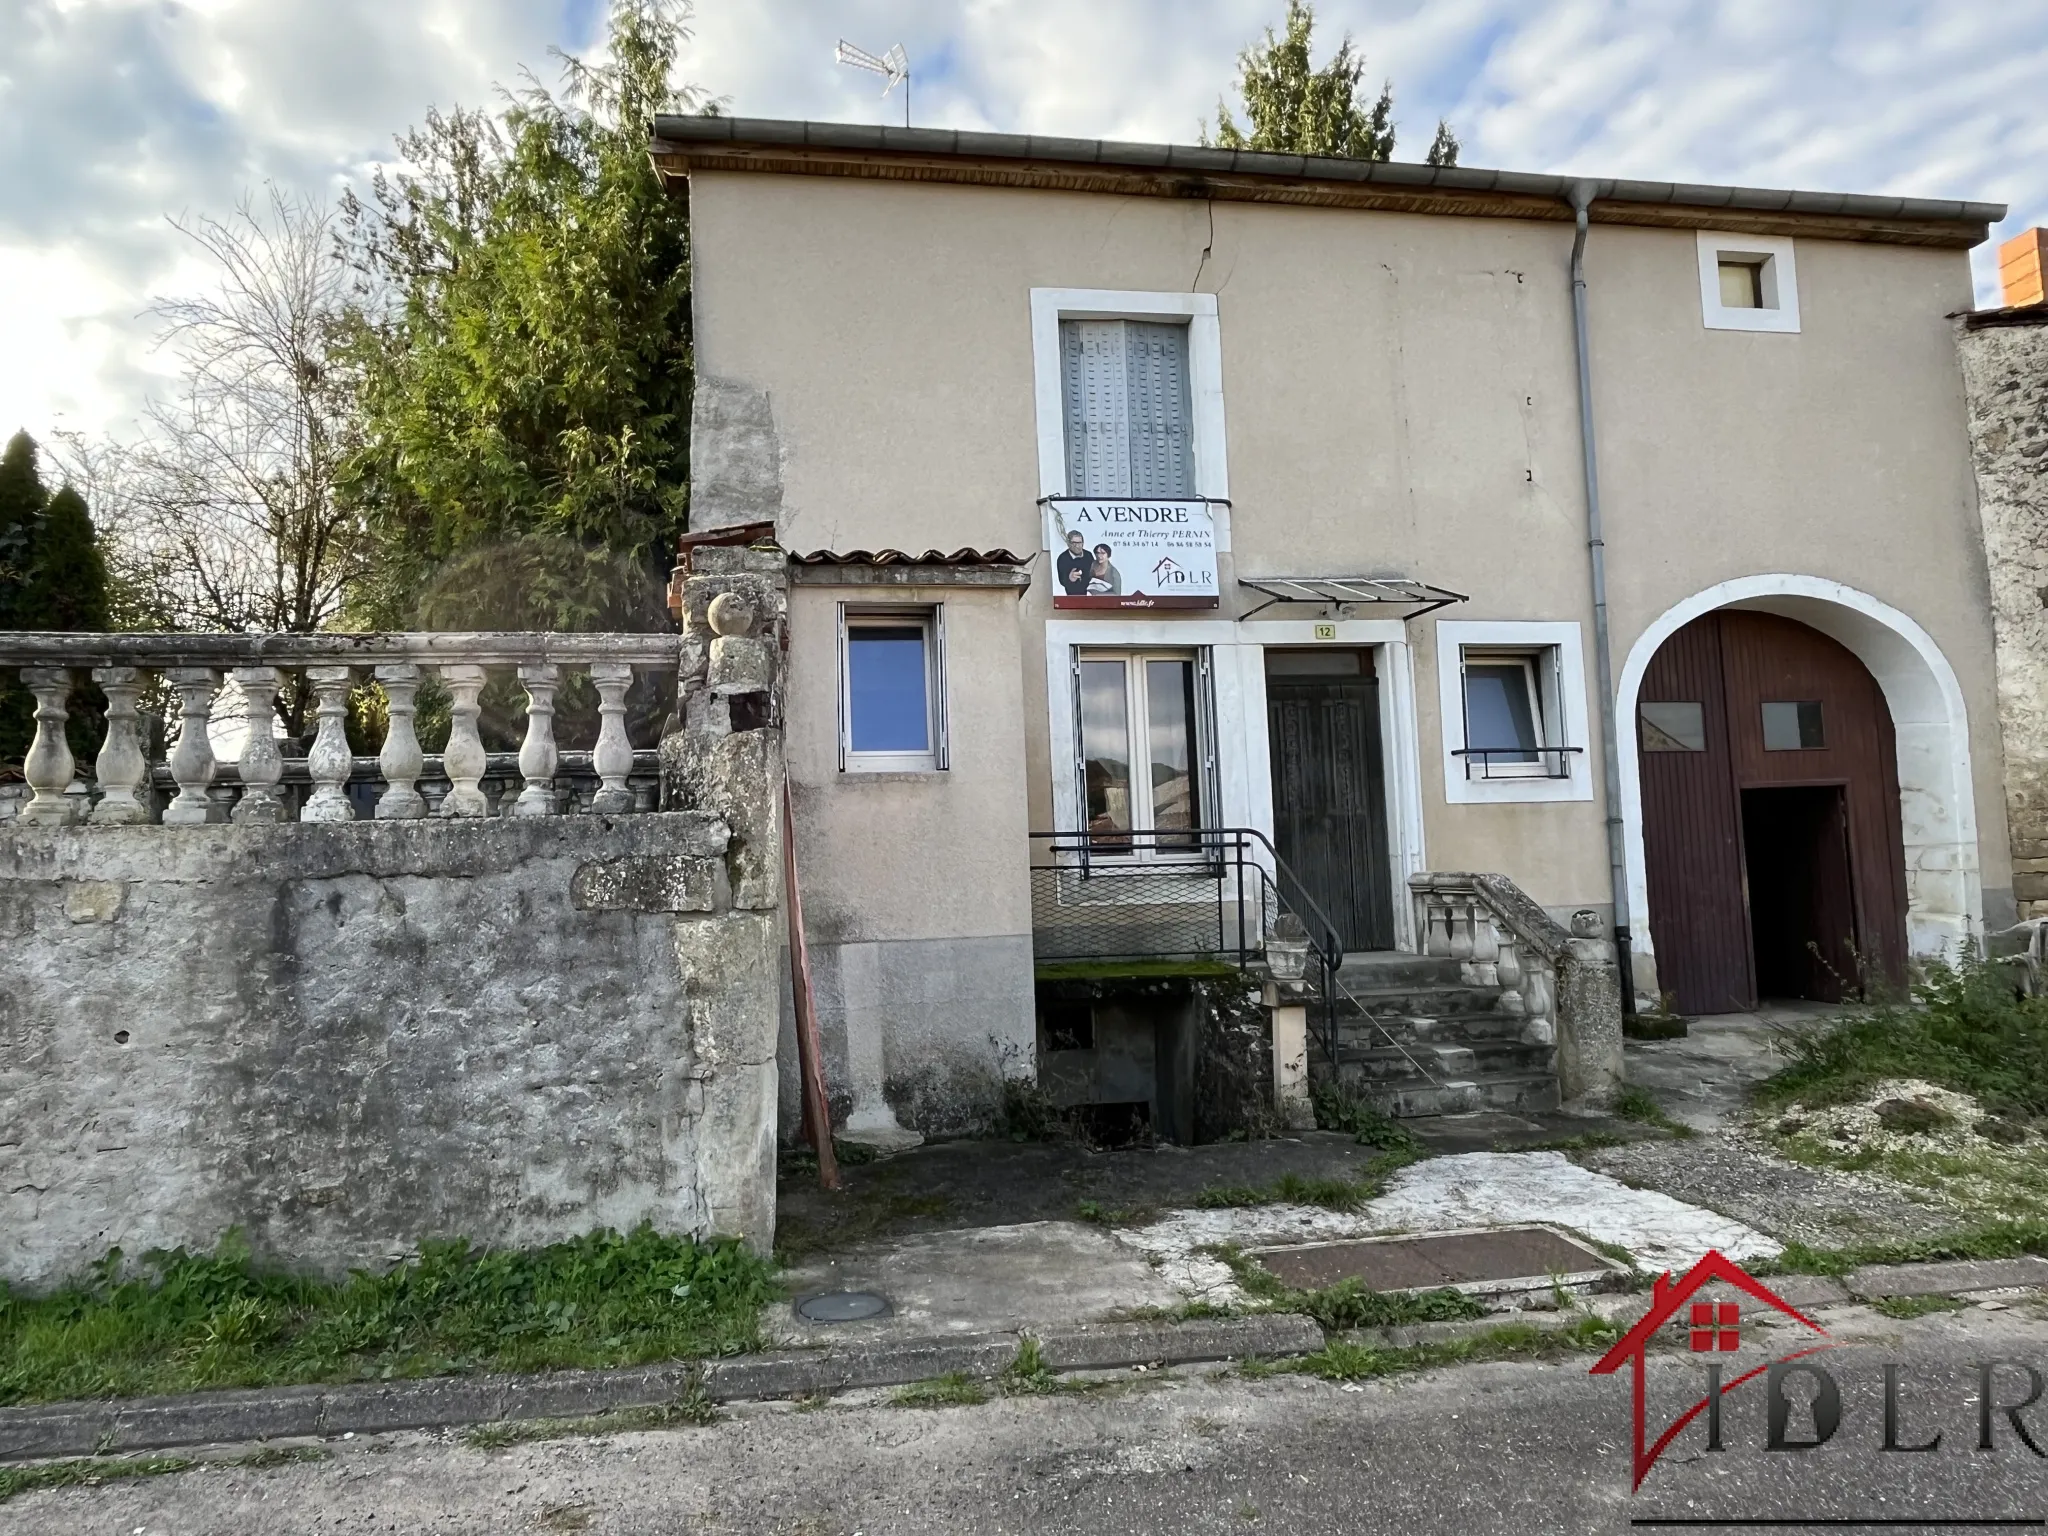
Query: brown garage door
x=1770, y=815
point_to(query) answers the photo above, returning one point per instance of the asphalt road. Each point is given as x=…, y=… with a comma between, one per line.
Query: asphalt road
x=1506, y=1447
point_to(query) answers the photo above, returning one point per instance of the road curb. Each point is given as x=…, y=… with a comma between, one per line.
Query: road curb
x=200, y=1418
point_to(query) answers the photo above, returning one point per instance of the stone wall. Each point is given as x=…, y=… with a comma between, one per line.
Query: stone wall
x=346, y=1038
x=2005, y=377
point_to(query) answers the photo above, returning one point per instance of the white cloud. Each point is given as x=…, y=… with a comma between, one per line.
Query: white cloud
x=116, y=113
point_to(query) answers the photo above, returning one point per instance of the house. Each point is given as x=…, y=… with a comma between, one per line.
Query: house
x=1197, y=551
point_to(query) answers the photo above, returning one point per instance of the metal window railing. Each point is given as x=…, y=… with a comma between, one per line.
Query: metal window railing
x=1525, y=762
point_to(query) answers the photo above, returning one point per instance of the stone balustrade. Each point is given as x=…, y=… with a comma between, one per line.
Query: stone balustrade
x=186, y=673
x=1563, y=983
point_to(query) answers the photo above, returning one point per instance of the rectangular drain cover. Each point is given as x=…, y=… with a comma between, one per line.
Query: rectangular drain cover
x=1484, y=1260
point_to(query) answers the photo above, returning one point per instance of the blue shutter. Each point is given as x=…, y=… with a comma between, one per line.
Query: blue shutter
x=1160, y=409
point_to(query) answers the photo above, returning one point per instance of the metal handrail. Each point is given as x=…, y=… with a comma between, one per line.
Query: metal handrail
x=1221, y=852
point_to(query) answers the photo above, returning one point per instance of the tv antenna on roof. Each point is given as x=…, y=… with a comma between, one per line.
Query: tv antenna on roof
x=894, y=65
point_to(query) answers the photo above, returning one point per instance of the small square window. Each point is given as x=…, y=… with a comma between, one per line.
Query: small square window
x=1793, y=727
x=891, y=717
x=1748, y=283
x=1674, y=727
x=1742, y=284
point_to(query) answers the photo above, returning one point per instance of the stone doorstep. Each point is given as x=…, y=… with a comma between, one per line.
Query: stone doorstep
x=201, y=1418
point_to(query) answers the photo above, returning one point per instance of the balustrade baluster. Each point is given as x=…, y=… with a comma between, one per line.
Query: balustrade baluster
x=121, y=768
x=464, y=759
x=192, y=762
x=401, y=758
x=48, y=765
x=261, y=765
x=537, y=754
x=612, y=758
x=330, y=761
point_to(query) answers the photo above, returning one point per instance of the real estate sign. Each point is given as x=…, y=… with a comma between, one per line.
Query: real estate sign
x=1132, y=554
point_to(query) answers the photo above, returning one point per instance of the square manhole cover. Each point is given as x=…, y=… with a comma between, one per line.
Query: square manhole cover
x=1493, y=1259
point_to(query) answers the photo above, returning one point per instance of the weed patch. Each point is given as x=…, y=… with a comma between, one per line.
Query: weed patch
x=1997, y=1240
x=96, y=1471
x=691, y=1407
x=1367, y=1124
x=1964, y=1028
x=1347, y=1304
x=1905, y=1308
x=1329, y=1192
x=185, y=1321
x=1636, y=1104
x=1346, y=1360
x=955, y=1389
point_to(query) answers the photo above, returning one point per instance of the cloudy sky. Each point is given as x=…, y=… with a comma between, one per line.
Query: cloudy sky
x=117, y=114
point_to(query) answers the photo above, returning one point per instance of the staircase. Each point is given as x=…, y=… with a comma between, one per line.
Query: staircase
x=1416, y=1039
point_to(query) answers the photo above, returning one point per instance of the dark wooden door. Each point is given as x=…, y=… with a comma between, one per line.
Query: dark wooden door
x=1754, y=889
x=1692, y=831
x=1329, y=799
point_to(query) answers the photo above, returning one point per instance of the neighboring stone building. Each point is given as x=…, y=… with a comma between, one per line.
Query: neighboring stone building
x=2005, y=376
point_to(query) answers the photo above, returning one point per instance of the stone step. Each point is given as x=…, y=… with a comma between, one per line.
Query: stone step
x=1453, y=1029
x=1387, y=1063
x=1430, y=1001
x=1525, y=1092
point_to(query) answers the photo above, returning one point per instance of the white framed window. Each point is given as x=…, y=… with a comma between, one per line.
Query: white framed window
x=1748, y=283
x=1513, y=701
x=1143, y=745
x=892, y=689
x=1128, y=390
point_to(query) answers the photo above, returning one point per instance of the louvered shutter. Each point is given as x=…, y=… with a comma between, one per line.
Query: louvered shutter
x=1160, y=414
x=1098, y=413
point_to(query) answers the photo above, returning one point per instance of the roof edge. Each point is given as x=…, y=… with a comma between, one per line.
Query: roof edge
x=708, y=140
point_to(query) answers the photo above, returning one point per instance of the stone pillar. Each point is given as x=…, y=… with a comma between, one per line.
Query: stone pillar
x=121, y=768
x=192, y=762
x=401, y=759
x=464, y=759
x=537, y=754
x=1291, y=1101
x=330, y=761
x=612, y=758
x=871, y=1122
x=48, y=765
x=261, y=765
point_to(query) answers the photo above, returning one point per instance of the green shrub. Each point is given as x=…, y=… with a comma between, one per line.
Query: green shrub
x=1965, y=1028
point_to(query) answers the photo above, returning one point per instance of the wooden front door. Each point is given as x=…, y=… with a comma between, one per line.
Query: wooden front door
x=1770, y=815
x=1329, y=788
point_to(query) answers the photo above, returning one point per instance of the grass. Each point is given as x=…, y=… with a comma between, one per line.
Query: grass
x=955, y=1389
x=1636, y=1104
x=1133, y=970
x=1962, y=1028
x=91, y=1473
x=1337, y=1109
x=181, y=1321
x=1589, y=1141
x=1347, y=1360
x=1905, y=1308
x=1994, y=1240
x=1335, y=1194
x=690, y=1407
x=1347, y=1304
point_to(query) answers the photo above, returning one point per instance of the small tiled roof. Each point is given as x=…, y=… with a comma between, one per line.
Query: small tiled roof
x=901, y=557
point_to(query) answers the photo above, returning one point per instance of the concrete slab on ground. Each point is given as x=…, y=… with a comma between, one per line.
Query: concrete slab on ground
x=1949, y=1279
x=1038, y=1274
x=1703, y=1078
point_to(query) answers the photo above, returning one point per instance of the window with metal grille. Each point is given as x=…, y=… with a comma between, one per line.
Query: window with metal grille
x=1129, y=413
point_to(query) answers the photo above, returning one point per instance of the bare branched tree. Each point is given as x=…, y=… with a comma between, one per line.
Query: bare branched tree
x=221, y=513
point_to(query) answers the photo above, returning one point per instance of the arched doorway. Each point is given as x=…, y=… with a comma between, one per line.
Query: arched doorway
x=1773, y=853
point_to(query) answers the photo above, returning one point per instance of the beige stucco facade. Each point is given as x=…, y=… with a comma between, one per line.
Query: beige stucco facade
x=1399, y=395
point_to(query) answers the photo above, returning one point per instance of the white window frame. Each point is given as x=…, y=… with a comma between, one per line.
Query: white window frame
x=1049, y=306
x=931, y=617
x=1780, y=282
x=1137, y=727
x=1562, y=685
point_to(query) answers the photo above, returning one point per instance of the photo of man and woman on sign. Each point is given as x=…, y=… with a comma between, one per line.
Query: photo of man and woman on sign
x=1085, y=572
x=1133, y=554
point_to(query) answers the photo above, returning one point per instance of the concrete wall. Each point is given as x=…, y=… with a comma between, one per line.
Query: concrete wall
x=917, y=900
x=1399, y=394
x=2005, y=370
x=344, y=1039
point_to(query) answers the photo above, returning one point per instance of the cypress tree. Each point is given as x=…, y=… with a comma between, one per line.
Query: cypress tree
x=67, y=574
x=22, y=498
